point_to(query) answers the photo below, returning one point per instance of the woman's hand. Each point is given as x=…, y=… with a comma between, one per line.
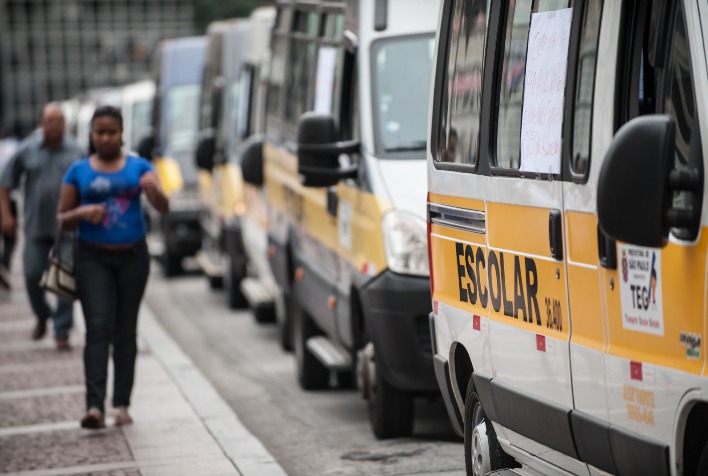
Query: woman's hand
x=93, y=213
x=151, y=186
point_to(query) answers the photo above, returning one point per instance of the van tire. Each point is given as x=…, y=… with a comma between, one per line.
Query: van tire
x=703, y=462
x=311, y=374
x=171, y=264
x=390, y=409
x=474, y=415
x=232, y=287
x=284, y=317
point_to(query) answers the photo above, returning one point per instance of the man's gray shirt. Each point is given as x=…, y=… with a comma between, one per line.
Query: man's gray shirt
x=43, y=169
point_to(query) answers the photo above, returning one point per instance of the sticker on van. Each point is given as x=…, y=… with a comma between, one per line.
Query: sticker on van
x=640, y=289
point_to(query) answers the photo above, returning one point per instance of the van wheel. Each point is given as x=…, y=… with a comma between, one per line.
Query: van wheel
x=483, y=453
x=703, y=462
x=232, y=286
x=311, y=373
x=390, y=409
x=172, y=264
x=283, y=313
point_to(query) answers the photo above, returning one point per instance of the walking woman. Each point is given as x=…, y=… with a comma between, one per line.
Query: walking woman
x=101, y=196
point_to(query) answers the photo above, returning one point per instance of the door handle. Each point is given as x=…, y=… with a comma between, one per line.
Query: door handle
x=555, y=232
x=607, y=248
x=332, y=202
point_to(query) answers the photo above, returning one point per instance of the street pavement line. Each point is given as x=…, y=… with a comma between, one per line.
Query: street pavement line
x=76, y=470
x=41, y=392
x=244, y=450
x=41, y=427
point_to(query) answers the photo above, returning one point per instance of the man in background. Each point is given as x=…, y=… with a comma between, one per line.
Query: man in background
x=41, y=160
x=8, y=146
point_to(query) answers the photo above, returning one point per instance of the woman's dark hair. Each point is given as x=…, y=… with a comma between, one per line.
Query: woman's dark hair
x=104, y=111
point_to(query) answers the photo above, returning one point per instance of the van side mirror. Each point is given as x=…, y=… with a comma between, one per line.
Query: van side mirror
x=252, y=161
x=633, y=193
x=206, y=149
x=318, y=151
x=146, y=146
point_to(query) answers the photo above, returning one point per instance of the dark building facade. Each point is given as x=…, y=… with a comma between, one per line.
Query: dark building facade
x=56, y=49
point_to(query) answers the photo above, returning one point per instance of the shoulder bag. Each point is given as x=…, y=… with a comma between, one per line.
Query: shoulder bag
x=59, y=279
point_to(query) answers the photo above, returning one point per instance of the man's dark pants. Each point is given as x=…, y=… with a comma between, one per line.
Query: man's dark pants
x=36, y=261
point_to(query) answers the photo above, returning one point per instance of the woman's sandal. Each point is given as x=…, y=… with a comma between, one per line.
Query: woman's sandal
x=122, y=417
x=93, y=419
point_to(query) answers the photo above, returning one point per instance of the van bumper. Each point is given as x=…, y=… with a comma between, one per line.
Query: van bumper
x=396, y=309
x=182, y=231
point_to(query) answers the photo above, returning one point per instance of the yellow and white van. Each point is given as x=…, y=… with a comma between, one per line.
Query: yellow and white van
x=344, y=179
x=566, y=219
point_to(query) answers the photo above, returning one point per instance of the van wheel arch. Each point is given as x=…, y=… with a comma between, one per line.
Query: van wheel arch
x=695, y=440
x=461, y=371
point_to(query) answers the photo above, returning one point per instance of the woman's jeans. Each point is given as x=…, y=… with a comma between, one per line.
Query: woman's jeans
x=110, y=285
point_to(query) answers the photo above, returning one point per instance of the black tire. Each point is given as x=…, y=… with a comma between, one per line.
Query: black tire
x=390, y=409
x=264, y=314
x=311, y=373
x=474, y=415
x=703, y=462
x=285, y=322
x=172, y=265
x=232, y=287
x=215, y=282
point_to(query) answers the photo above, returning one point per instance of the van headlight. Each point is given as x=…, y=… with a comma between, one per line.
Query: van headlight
x=405, y=243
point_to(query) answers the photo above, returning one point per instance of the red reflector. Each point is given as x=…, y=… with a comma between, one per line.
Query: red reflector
x=635, y=370
x=540, y=343
x=476, y=322
x=435, y=308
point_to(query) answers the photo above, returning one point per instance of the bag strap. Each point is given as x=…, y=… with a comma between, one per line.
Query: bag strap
x=54, y=253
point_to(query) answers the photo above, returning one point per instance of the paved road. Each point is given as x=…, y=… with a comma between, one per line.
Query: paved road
x=309, y=433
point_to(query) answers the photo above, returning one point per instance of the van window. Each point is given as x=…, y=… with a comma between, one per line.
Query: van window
x=401, y=69
x=679, y=101
x=140, y=121
x=182, y=102
x=462, y=93
x=511, y=81
x=303, y=56
x=585, y=85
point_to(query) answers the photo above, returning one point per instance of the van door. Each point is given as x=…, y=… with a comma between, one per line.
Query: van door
x=655, y=297
x=526, y=262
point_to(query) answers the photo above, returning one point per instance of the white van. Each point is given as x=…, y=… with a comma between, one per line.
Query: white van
x=136, y=106
x=343, y=170
x=566, y=230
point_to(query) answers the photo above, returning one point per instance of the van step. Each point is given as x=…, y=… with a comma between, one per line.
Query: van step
x=208, y=266
x=332, y=355
x=257, y=295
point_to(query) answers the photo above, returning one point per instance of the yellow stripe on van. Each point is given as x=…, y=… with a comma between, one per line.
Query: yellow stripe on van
x=509, y=226
x=582, y=237
x=169, y=174
x=306, y=207
x=466, y=203
x=683, y=294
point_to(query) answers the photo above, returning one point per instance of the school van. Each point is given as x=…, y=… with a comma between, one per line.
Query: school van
x=231, y=92
x=566, y=217
x=344, y=180
x=170, y=145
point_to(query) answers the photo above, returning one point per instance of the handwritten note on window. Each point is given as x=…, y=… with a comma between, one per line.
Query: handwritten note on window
x=544, y=89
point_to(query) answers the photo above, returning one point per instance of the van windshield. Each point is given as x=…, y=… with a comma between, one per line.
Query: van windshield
x=182, y=106
x=401, y=69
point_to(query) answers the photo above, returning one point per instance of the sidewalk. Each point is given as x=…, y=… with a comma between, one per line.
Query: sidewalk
x=182, y=426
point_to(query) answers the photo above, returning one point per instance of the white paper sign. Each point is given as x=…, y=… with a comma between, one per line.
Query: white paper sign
x=544, y=90
x=640, y=289
x=326, y=64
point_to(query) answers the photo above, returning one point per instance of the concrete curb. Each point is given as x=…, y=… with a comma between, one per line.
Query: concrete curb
x=244, y=450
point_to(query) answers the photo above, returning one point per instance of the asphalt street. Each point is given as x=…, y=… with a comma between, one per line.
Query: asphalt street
x=309, y=433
